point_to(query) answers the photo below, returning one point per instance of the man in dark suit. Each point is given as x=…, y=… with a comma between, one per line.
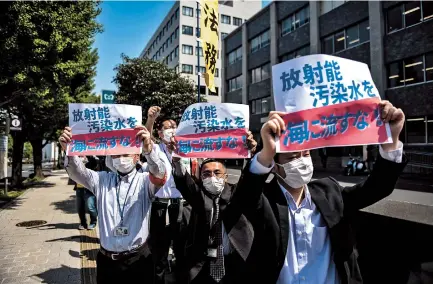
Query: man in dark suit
x=302, y=228
x=219, y=235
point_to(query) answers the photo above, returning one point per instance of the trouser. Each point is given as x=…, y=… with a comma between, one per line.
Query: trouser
x=162, y=236
x=86, y=201
x=137, y=269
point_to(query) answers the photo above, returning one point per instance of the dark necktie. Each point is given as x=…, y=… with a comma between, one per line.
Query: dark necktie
x=216, y=266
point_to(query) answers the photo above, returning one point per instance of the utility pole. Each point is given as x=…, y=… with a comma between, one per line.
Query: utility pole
x=197, y=51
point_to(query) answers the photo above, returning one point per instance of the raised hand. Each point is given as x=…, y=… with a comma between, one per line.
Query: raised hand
x=65, y=138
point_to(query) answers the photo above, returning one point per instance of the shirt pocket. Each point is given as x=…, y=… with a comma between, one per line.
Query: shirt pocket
x=318, y=238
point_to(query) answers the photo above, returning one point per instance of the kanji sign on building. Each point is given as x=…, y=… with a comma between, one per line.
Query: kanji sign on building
x=213, y=130
x=104, y=129
x=330, y=101
x=209, y=23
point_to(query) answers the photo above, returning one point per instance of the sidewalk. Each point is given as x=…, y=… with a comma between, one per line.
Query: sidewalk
x=48, y=253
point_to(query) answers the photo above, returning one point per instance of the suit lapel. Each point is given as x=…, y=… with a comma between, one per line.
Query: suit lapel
x=319, y=198
x=282, y=211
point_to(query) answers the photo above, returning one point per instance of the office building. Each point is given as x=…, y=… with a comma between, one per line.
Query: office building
x=175, y=41
x=394, y=38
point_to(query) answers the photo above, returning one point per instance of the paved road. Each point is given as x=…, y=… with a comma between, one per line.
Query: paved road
x=46, y=254
x=28, y=169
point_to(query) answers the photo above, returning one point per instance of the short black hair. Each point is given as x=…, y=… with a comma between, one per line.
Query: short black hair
x=212, y=160
x=162, y=120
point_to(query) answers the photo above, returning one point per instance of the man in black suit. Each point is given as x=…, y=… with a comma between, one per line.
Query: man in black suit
x=302, y=228
x=219, y=235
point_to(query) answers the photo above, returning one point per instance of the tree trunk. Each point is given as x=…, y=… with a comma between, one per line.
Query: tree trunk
x=17, y=160
x=37, y=157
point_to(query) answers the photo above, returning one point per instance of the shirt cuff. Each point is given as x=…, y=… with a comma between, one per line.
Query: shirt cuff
x=257, y=168
x=394, y=155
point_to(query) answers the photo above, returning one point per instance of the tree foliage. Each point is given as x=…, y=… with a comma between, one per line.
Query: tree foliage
x=46, y=62
x=147, y=83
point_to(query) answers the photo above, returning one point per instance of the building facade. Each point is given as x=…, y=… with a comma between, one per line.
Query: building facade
x=175, y=40
x=393, y=38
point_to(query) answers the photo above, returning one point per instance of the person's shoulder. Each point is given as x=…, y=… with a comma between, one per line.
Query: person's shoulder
x=328, y=184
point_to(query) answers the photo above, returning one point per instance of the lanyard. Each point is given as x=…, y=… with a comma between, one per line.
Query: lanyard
x=121, y=210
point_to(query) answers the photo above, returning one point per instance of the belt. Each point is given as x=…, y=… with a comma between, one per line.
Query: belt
x=169, y=200
x=125, y=254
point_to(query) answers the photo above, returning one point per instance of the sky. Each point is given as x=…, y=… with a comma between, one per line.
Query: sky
x=128, y=25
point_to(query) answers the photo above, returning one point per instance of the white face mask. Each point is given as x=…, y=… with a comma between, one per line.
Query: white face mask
x=298, y=172
x=124, y=164
x=167, y=134
x=214, y=185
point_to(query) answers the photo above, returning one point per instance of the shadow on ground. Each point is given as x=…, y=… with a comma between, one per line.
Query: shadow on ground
x=67, y=206
x=75, y=239
x=49, y=226
x=63, y=274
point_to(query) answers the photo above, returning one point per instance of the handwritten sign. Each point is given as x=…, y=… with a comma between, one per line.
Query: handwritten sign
x=104, y=129
x=213, y=130
x=330, y=101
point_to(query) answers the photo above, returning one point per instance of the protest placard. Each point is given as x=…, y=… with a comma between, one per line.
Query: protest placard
x=213, y=130
x=330, y=101
x=104, y=129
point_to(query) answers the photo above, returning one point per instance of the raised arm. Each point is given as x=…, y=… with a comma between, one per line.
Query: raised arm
x=387, y=169
x=157, y=169
x=75, y=168
x=152, y=115
x=186, y=184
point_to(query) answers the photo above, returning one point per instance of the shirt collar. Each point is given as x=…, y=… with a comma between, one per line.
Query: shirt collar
x=128, y=177
x=290, y=198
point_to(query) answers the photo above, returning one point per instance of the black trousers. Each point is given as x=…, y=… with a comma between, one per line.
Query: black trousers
x=162, y=237
x=135, y=270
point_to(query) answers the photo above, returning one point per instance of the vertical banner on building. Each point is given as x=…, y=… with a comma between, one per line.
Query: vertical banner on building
x=209, y=35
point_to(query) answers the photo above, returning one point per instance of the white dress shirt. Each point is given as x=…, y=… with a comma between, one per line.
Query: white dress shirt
x=309, y=254
x=169, y=189
x=138, y=202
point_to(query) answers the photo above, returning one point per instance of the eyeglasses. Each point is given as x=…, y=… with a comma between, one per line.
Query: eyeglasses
x=208, y=174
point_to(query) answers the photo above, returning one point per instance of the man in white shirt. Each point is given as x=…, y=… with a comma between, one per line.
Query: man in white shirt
x=123, y=201
x=302, y=228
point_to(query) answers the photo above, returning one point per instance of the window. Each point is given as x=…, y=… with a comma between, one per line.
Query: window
x=414, y=70
x=237, y=21
x=187, y=49
x=235, y=83
x=187, y=30
x=176, y=14
x=199, y=51
x=430, y=129
x=171, y=56
x=427, y=10
x=410, y=71
x=223, y=35
x=176, y=51
x=295, y=21
x=197, y=32
x=235, y=55
x=176, y=69
x=326, y=6
x=187, y=11
x=217, y=73
x=212, y=93
x=176, y=32
x=395, y=74
x=260, y=106
x=186, y=68
x=297, y=53
x=259, y=41
x=339, y=41
x=408, y=14
x=350, y=37
x=415, y=130
x=202, y=69
x=429, y=67
x=202, y=90
x=225, y=19
x=412, y=13
x=260, y=73
x=198, y=13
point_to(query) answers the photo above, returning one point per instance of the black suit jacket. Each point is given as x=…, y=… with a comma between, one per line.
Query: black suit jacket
x=236, y=224
x=337, y=206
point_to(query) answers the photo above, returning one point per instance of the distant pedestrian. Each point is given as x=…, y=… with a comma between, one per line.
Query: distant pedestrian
x=85, y=200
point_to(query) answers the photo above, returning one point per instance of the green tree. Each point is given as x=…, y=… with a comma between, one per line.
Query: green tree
x=46, y=61
x=147, y=83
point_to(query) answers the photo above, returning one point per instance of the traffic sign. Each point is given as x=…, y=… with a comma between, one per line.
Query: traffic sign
x=107, y=97
x=16, y=124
